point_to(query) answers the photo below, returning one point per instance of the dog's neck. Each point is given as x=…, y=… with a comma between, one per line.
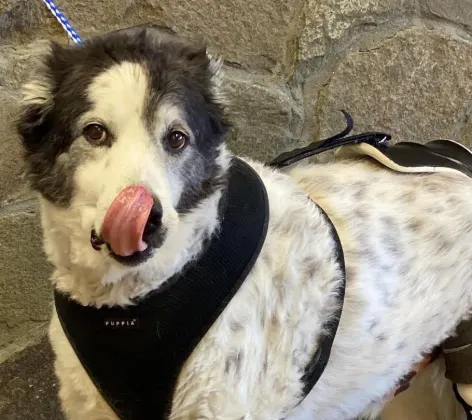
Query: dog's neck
x=93, y=278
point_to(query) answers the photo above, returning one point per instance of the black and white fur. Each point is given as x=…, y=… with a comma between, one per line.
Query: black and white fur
x=407, y=239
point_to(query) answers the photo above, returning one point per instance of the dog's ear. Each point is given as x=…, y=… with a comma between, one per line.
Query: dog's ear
x=196, y=52
x=216, y=69
x=219, y=122
x=37, y=99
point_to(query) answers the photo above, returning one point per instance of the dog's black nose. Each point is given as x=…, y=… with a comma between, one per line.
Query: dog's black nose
x=154, y=221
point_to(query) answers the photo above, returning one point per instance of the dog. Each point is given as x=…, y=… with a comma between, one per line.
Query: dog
x=123, y=140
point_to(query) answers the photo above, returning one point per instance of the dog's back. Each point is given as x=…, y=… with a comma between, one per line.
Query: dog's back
x=406, y=240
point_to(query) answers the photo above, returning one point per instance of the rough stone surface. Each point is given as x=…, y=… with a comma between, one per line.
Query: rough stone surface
x=25, y=20
x=91, y=17
x=459, y=11
x=258, y=33
x=18, y=17
x=10, y=163
x=328, y=20
x=28, y=386
x=408, y=86
x=266, y=119
x=25, y=291
x=16, y=64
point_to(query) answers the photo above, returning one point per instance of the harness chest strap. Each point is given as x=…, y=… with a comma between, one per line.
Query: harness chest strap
x=134, y=355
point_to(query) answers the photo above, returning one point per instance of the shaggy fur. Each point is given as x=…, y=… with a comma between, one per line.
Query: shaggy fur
x=406, y=240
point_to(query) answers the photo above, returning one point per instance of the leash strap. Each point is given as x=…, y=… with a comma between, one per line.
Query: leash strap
x=62, y=19
x=375, y=138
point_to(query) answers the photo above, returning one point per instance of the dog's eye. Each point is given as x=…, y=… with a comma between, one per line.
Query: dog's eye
x=95, y=133
x=176, y=140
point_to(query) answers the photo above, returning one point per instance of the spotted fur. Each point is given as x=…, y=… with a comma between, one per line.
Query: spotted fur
x=406, y=240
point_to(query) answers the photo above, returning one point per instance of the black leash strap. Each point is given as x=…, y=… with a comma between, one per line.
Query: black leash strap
x=374, y=138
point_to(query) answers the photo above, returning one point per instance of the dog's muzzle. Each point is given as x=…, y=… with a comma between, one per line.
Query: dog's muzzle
x=132, y=225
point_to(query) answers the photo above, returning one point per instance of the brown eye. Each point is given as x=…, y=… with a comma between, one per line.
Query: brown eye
x=95, y=133
x=176, y=140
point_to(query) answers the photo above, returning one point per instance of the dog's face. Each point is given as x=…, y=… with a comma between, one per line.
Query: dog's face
x=124, y=131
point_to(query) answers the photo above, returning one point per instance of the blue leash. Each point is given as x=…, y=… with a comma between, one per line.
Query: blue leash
x=63, y=21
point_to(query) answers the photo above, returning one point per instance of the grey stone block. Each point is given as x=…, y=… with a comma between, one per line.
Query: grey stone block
x=328, y=20
x=11, y=164
x=459, y=11
x=257, y=33
x=266, y=118
x=26, y=20
x=92, y=17
x=28, y=386
x=25, y=298
x=18, y=16
x=416, y=86
x=17, y=62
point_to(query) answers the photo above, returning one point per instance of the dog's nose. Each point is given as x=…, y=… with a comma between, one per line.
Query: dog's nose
x=154, y=221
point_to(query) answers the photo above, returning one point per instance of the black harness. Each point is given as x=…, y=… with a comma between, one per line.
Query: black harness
x=135, y=354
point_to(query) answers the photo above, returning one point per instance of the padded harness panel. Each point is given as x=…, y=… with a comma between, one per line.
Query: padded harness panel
x=134, y=354
x=409, y=157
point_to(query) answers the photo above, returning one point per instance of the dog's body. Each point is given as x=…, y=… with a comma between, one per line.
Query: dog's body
x=406, y=238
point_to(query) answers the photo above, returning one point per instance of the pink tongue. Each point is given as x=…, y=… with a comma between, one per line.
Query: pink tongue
x=125, y=220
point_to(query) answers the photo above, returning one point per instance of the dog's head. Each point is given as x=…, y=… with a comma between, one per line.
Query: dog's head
x=124, y=131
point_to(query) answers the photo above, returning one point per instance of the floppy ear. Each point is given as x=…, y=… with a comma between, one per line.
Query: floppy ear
x=36, y=102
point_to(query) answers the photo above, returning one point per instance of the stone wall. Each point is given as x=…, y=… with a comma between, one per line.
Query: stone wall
x=404, y=66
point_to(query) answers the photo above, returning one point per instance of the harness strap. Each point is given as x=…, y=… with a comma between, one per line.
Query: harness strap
x=376, y=139
x=317, y=364
x=134, y=354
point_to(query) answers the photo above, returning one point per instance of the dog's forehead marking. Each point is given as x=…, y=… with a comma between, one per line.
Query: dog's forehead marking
x=120, y=91
x=167, y=114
